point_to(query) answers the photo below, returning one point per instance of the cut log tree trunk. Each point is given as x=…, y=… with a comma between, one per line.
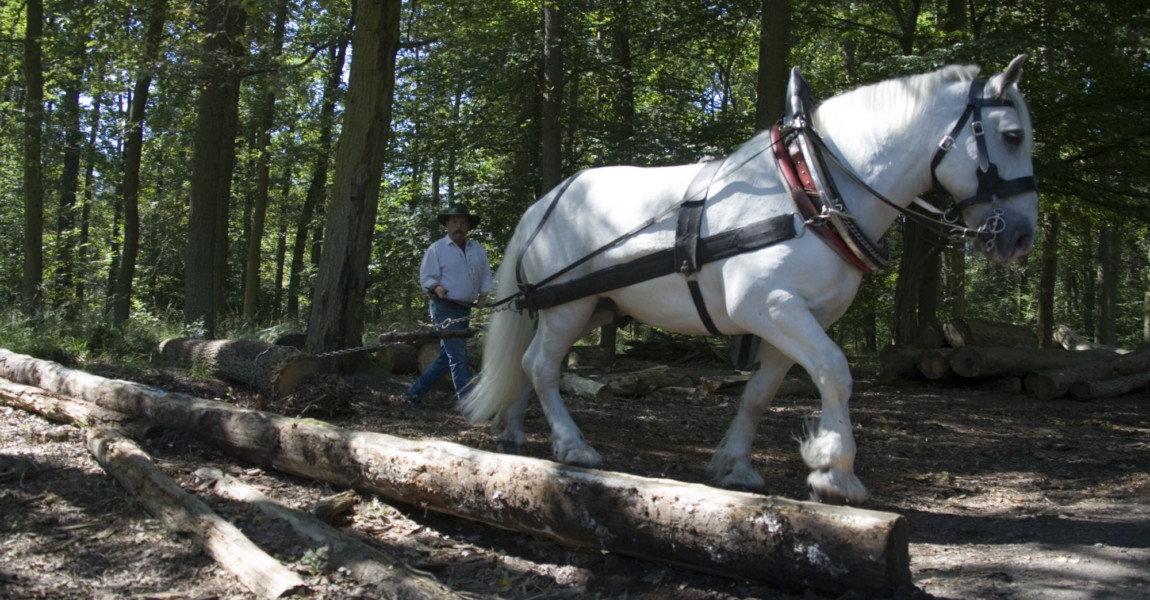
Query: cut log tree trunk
x=183, y=512
x=271, y=370
x=785, y=543
x=935, y=364
x=965, y=332
x=1072, y=340
x=1109, y=388
x=569, y=383
x=988, y=361
x=398, y=359
x=365, y=564
x=1054, y=383
x=899, y=362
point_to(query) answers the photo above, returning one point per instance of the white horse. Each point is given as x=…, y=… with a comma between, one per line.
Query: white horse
x=880, y=138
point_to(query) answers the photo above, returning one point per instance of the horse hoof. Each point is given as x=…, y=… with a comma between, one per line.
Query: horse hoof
x=836, y=486
x=740, y=487
x=507, y=447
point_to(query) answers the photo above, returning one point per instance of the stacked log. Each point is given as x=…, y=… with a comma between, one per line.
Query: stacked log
x=1005, y=357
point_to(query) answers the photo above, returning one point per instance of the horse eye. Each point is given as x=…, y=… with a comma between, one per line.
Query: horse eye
x=1013, y=137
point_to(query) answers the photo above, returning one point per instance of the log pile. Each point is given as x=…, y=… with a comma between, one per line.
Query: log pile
x=1005, y=357
x=788, y=544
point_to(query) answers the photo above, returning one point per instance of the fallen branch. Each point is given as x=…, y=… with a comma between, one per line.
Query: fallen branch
x=784, y=543
x=365, y=564
x=183, y=512
x=570, y=383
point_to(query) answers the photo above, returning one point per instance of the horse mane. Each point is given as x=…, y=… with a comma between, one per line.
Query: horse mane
x=902, y=98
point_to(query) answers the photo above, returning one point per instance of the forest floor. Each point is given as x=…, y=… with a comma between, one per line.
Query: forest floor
x=1006, y=497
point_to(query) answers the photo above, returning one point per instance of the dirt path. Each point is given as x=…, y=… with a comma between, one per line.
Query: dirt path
x=1006, y=498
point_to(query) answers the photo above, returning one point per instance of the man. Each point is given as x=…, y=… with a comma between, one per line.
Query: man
x=456, y=274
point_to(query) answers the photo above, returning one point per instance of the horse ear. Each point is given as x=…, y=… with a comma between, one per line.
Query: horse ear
x=1010, y=77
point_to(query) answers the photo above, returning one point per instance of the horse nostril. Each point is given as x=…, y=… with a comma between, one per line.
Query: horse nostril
x=1024, y=243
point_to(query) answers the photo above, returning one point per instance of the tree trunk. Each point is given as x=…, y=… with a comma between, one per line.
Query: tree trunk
x=980, y=332
x=180, y=511
x=274, y=371
x=69, y=179
x=267, y=113
x=774, y=23
x=337, y=314
x=317, y=187
x=912, y=272
x=212, y=166
x=133, y=151
x=33, y=174
x=1109, y=251
x=746, y=536
x=1047, y=280
x=550, y=122
x=987, y=361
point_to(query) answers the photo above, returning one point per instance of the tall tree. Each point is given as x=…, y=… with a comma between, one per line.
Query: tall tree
x=266, y=120
x=550, y=122
x=1047, y=279
x=337, y=316
x=317, y=186
x=133, y=151
x=212, y=157
x=1109, y=257
x=772, y=73
x=33, y=175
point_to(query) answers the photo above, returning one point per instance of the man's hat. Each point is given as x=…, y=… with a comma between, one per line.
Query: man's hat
x=458, y=209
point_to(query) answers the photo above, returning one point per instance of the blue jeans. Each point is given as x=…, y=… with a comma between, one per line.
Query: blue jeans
x=452, y=352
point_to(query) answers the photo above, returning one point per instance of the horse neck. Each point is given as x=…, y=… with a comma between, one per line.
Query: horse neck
x=892, y=155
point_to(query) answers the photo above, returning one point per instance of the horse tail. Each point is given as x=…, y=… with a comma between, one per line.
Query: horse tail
x=509, y=332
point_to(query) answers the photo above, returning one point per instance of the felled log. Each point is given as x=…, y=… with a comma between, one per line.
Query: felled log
x=271, y=370
x=934, y=364
x=570, y=383
x=899, y=362
x=711, y=384
x=992, y=360
x=588, y=356
x=784, y=543
x=399, y=359
x=1053, y=383
x=635, y=383
x=365, y=564
x=64, y=410
x=965, y=332
x=1109, y=388
x=183, y=512
x=1072, y=340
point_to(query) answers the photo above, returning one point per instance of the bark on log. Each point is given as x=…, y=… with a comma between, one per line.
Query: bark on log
x=935, y=364
x=1109, y=388
x=365, y=564
x=636, y=383
x=988, y=361
x=784, y=543
x=63, y=410
x=183, y=512
x=899, y=362
x=1053, y=383
x=271, y=370
x=398, y=359
x=1072, y=340
x=965, y=332
x=569, y=383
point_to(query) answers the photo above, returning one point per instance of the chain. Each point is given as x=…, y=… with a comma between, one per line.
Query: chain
x=478, y=313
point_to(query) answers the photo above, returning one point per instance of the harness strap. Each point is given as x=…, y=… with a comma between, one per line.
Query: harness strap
x=754, y=236
x=690, y=223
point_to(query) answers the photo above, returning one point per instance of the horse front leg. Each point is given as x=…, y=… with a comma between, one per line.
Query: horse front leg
x=730, y=467
x=559, y=327
x=829, y=447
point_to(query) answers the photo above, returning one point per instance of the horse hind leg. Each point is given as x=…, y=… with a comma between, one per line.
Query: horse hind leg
x=559, y=327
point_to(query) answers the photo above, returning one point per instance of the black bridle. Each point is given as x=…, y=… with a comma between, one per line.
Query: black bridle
x=991, y=185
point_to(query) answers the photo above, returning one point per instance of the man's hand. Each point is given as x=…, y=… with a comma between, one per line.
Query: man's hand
x=482, y=301
x=439, y=291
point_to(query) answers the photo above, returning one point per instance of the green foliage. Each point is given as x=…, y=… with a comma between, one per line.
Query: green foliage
x=646, y=82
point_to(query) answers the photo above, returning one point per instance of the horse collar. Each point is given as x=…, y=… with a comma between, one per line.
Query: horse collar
x=818, y=200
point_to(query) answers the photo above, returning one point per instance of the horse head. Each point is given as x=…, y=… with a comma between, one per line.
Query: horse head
x=991, y=173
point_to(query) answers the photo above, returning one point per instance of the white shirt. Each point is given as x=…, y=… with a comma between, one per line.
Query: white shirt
x=465, y=274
